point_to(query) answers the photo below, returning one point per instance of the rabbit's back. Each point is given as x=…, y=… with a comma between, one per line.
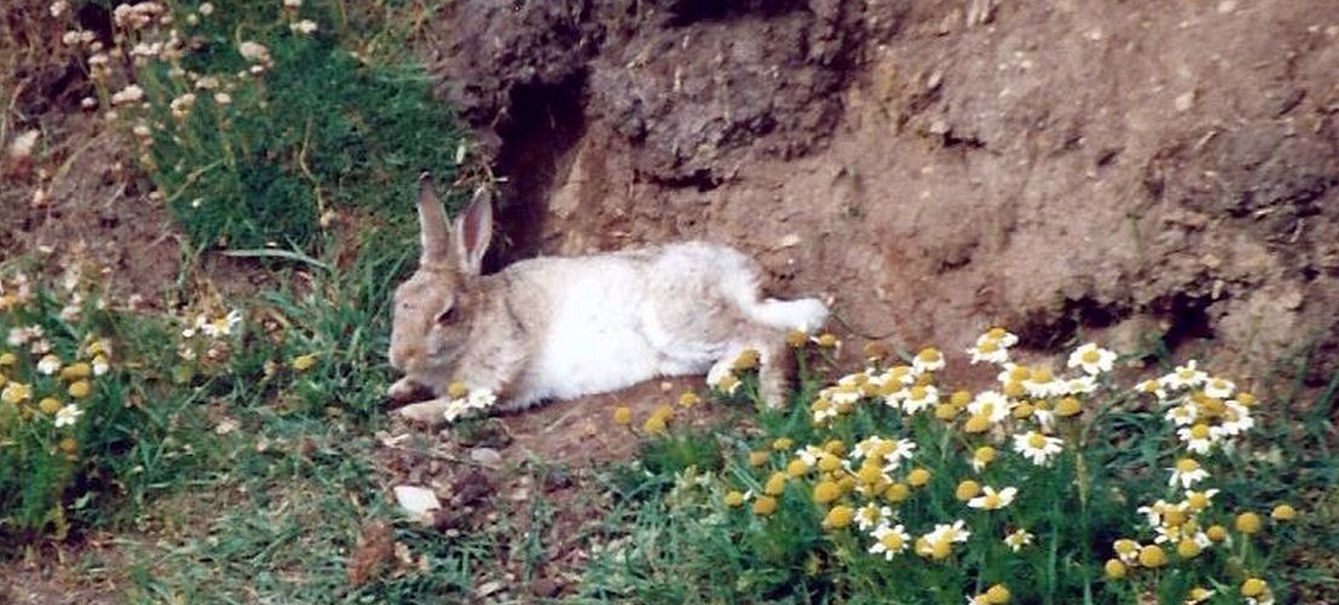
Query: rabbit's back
x=618, y=318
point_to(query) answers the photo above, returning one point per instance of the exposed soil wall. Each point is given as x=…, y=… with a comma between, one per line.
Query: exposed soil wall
x=1139, y=167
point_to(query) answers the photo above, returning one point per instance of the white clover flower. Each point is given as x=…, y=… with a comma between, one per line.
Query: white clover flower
x=1093, y=359
x=889, y=541
x=990, y=499
x=68, y=415
x=1187, y=472
x=1018, y=539
x=1037, y=447
x=48, y=365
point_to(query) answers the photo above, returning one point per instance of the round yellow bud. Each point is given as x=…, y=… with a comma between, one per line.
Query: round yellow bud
x=758, y=458
x=960, y=398
x=796, y=339
x=839, y=517
x=796, y=468
x=1187, y=548
x=967, y=490
x=984, y=454
x=1013, y=389
x=1283, y=512
x=826, y=491
x=8, y=359
x=1114, y=569
x=896, y=492
x=976, y=424
x=829, y=463
x=654, y=424
x=827, y=340
x=80, y=389
x=1152, y=556
x=775, y=484
x=1247, y=523
x=782, y=443
x=1068, y=406
x=689, y=399
x=49, y=406
x=946, y=411
x=734, y=499
x=1125, y=546
x=68, y=445
x=1217, y=533
x=918, y=477
x=76, y=371
x=998, y=594
x=623, y=415
x=1253, y=587
x=1023, y=410
x=764, y=505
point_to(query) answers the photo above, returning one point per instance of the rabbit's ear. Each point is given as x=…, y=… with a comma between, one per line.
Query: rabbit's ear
x=474, y=229
x=432, y=225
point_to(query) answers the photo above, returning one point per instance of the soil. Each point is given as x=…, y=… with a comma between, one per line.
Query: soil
x=1068, y=169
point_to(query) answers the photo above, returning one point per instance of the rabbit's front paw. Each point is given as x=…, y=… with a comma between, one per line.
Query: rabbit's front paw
x=431, y=413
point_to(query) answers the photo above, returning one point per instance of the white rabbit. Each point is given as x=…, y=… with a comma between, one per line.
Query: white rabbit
x=562, y=327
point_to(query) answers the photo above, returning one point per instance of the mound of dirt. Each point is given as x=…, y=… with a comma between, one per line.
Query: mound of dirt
x=1138, y=168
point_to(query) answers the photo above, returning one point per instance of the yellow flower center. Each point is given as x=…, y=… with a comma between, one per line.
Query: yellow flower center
x=1090, y=356
x=967, y=490
x=1041, y=374
x=960, y=398
x=892, y=541
x=1186, y=465
x=1253, y=587
x=918, y=477
x=896, y=492
x=984, y=454
x=1152, y=556
x=989, y=346
x=1036, y=441
x=1200, y=431
x=976, y=424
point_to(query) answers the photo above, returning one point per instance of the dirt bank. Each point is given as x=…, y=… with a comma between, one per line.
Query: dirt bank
x=1140, y=168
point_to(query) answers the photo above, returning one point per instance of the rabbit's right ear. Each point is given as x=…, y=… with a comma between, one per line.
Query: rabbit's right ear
x=432, y=225
x=473, y=231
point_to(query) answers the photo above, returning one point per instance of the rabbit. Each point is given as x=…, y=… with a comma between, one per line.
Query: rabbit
x=562, y=327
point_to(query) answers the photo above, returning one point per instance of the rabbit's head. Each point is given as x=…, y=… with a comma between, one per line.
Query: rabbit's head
x=433, y=308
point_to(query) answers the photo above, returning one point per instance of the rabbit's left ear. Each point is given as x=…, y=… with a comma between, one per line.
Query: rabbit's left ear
x=473, y=232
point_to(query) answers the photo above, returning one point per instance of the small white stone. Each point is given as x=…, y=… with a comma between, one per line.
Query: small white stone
x=1185, y=101
x=416, y=501
x=1227, y=6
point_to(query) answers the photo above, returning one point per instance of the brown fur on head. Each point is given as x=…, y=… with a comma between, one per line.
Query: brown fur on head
x=432, y=314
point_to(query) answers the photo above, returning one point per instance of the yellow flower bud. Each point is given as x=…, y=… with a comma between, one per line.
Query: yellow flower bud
x=758, y=458
x=1114, y=569
x=976, y=424
x=796, y=339
x=826, y=491
x=1068, y=406
x=1152, y=556
x=302, y=363
x=764, y=505
x=1253, y=587
x=734, y=499
x=782, y=443
x=457, y=389
x=918, y=477
x=946, y=411
x=1283, y=512
x=960, y=398
x=839, y=517
x=998, y=594
x=76, y=371
x=1217, y=533
x=49, y=406
x=827, y=341
x=654, y=424
x=1187, y=548
x=967, y=490
x=796, y=468
x=80, y=389
x=896, y=492
x=1247, y=523
x=8, y=359
x=623, y=415
x=775, y=484
x=689, y=399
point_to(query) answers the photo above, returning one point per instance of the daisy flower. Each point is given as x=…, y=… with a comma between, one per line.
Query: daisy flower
x=1018, y=539
x=1187, y=473
x=928, y=360
x=1041, y=383
x=1083, y=385
x=68, y=415
x=1184, y=377
x=48, y=365
x=1037, y=447
x=989, y=350
x=1093, y=359
x=889, y=541
x=1198, y=438
x=993, y=500
x=219, y=326
x=1182, y=415
x=16, y=392
x=919, y=398
x=872, y=515
x=991, y=404
x=1218, y=388
x=1198, y=595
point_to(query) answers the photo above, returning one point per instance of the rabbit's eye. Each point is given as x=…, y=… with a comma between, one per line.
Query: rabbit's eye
x=447, y=317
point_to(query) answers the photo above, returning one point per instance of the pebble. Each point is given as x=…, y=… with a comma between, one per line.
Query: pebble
x=486, y=457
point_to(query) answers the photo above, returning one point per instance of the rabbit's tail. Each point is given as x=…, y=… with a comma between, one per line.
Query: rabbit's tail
x=805, y=314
